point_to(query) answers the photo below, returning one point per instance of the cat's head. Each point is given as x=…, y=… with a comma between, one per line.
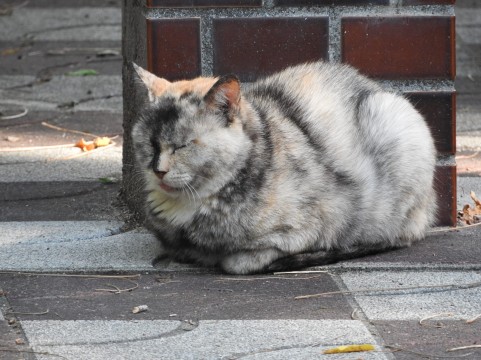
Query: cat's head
x=190, y=139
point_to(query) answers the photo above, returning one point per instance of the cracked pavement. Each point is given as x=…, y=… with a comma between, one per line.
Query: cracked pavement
x=71, y=270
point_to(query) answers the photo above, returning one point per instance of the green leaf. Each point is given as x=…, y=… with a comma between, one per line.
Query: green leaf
x=82, y=72
x=108, y=180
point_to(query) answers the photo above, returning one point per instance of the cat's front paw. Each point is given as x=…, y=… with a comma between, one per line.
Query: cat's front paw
x=249, y=262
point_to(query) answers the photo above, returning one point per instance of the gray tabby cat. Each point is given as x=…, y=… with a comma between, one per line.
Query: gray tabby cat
x=309, y=166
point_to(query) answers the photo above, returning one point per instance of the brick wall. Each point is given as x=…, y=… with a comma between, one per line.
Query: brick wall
x=406, y=44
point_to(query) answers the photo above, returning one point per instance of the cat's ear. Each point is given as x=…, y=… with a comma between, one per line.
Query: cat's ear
x=224, y=94
x=155, y=85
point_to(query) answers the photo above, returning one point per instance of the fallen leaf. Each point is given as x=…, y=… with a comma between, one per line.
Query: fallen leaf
x=349, y=348
x=12, y=138
x=19, y=341
x=101, y=141
x=85, y=145
x=82, y=72
x=471, y=215
x=10, y=51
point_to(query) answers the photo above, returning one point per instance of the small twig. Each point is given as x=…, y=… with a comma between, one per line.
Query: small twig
x=433, y=316
x=353, y=314
x=31, y=148
x=15, y=116
x=118, y=290
x=24, y=313
x=267, y=278
x=465, y=347
x=470, y=321
x=452, y=286
x=46, y=124
x=397, y=348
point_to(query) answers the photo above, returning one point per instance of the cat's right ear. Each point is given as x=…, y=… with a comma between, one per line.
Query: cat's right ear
x=155, y=85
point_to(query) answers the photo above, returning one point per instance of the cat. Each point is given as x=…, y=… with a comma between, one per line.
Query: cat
x=309, y=166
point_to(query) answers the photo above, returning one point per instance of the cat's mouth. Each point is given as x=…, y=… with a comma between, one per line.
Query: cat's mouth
x=167, y=188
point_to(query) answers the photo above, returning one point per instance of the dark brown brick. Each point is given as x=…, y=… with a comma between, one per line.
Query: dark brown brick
x=173, y=48
x=445, y=185
x=251, y=47
x=439, y=110
x=203, y=3
x=330, y=2
x=400, y=47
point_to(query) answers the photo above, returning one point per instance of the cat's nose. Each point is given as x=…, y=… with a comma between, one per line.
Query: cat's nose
x=160, y=174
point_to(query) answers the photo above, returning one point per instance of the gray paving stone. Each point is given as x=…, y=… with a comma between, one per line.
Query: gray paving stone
x=52, y=165
x=81, y=246
x=418, y=303
x=76, y=24
x=209, y=339
x=58, y=201
x=47, y=58
x=45, y=232
x=63, y=90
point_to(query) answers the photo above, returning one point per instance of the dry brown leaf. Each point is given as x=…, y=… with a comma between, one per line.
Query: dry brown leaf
x=85, y=145
x=471, y=215
x=101, y=141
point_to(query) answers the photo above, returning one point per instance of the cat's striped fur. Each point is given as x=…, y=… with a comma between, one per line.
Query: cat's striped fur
x=312, y=165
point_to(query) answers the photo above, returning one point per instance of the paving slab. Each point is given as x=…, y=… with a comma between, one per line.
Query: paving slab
x=431, y=339
x=29, y=131
x=47, y=58
x=443, y=248
x=91, y=93
x=58, y=201
x=123, y=252
x=174, y=296
x=416, y=304
x=209, y=339
x=74, y=24
x=61, y=165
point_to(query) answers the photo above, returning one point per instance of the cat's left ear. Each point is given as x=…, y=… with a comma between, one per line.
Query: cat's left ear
x=155, y=85
x=225, y=94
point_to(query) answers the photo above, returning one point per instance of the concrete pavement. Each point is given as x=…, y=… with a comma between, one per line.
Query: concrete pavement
x=71, y=269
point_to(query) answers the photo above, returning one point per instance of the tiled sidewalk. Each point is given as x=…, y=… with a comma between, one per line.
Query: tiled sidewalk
x=58, y=221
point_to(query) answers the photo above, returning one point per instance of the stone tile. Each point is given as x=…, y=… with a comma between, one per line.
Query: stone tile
x=64, y=92
x=28, y=130
x=431, y=339
x=58, y=201
x=175, y=296
x=55, y=165
x=417, y=303
x=395, y=47
x=251, y=47
x=440, y=248
x=78, y=24
x=9, y=348
x=47, y=58
x=122, y=252
x=210, y=339
x=173, y=48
